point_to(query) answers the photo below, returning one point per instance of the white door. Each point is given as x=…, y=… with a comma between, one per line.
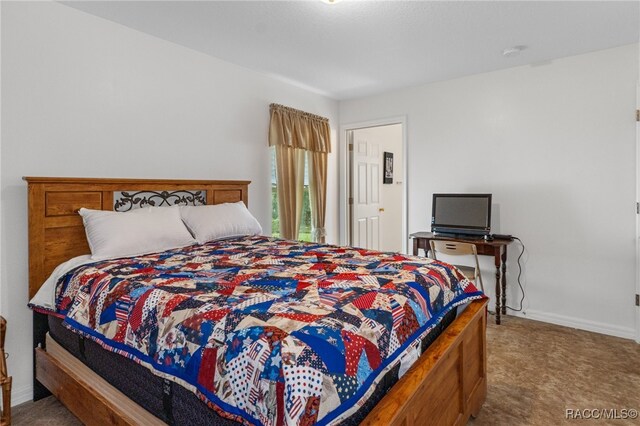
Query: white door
x=367, y=178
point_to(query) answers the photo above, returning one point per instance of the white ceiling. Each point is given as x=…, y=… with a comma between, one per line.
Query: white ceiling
x=357, y=48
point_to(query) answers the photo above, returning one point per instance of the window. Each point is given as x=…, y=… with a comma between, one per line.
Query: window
x=305, y=225
x=298, y=136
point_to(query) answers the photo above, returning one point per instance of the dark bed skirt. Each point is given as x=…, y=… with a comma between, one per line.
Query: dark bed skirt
x=173, y=403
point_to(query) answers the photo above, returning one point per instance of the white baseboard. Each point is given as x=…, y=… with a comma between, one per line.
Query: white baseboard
x=20, y=395
x=581, y=324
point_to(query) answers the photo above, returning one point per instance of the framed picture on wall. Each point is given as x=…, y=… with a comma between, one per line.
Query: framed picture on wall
x=388, y=168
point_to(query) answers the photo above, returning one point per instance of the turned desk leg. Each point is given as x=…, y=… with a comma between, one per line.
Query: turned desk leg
x=498, y=286
x=504, y=281
x=415, y=246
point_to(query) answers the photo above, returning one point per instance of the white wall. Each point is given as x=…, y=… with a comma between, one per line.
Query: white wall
x=555, y=144
x=389, y=139
x=83, y=96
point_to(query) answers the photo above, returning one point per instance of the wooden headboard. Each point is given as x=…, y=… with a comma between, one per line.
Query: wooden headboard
x=56, y=232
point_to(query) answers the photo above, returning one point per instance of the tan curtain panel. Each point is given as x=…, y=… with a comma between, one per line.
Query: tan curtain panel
x=294, y=132
x=318, y=192
x=290, y=185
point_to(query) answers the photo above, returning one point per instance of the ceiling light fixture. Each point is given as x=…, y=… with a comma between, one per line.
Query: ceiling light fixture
x=513, y=51
x=331, y=1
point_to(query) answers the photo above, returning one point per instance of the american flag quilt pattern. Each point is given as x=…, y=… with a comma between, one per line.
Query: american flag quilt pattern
x=265, y=331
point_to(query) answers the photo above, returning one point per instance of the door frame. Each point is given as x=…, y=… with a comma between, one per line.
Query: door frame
x=344, y=170
x=637, y=308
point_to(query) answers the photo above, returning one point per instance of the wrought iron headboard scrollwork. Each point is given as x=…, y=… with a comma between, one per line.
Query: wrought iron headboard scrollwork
x=123, y=201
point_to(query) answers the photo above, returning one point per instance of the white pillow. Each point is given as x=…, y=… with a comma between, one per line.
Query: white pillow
x=208, y=223
x=141, y=231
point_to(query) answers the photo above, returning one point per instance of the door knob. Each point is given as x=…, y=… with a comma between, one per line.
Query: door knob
x=381, y=210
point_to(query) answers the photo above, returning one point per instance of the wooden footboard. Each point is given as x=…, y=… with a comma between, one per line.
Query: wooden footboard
x=448, y=382
x=87, y=395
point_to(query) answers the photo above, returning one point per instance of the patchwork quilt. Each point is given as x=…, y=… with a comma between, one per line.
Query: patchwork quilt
x=265, y=331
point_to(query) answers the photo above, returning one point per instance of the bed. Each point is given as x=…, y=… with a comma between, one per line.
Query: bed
x=445, y=385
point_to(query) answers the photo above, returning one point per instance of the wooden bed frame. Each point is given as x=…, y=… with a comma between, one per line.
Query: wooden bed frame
x=445, y=386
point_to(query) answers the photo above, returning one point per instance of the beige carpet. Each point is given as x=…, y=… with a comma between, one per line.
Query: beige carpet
x=536, y=371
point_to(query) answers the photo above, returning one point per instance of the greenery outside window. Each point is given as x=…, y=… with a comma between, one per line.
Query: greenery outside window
x=305, y=225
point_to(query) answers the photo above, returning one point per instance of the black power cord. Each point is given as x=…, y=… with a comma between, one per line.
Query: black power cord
x=519, y=275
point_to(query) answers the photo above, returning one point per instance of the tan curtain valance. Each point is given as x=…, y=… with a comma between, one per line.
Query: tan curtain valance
x=298, y=129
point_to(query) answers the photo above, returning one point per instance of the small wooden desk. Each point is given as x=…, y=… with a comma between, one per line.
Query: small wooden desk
x=495, y=248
